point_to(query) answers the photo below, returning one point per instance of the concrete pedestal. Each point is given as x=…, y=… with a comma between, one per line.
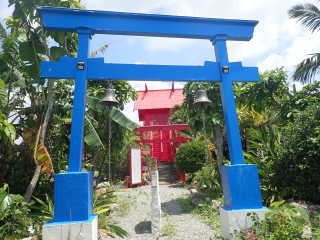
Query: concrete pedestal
x=155, y=203
x=80, y=230
x=73, y=207
x=237, y=219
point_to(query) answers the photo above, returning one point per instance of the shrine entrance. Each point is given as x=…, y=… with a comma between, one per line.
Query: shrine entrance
x=240, y=181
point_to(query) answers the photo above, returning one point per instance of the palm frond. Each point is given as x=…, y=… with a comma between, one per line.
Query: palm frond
x=306, y=70
x=307, y=14
x=101, y=50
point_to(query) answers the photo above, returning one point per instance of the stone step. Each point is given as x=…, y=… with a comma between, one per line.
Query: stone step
x=167, y=172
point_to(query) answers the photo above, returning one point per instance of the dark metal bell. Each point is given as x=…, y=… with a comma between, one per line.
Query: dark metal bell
x=109, y=98
x=201, y=99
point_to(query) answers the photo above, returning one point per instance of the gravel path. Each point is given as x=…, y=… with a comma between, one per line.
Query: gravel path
x=135, y=218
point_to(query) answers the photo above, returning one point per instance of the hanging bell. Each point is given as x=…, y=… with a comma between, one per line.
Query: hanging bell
x=201, y=99
x=109, y=98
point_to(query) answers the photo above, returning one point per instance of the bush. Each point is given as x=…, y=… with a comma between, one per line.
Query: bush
x=208, y=175
x=13, y=215
x=190, y=157
x=298, y=154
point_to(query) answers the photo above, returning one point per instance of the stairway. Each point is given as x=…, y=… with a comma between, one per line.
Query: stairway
x=167, y=172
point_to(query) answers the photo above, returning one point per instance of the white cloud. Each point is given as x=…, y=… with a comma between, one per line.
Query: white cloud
x=293, y=54
x=274, y=26
x=166, y=44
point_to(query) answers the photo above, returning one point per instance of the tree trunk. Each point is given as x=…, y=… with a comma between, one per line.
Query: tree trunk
x=37, y=172
x=218, y=143
x=102, y=169
x=96, y=155
x=32, y=184
x=246, y=136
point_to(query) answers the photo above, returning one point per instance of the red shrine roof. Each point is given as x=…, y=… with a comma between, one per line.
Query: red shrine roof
x=157, y=99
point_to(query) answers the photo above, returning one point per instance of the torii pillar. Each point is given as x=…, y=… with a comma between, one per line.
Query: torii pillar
x=73, y=190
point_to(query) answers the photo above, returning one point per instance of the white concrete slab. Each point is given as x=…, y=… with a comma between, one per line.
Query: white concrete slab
x=237, y=219
x=86, y=230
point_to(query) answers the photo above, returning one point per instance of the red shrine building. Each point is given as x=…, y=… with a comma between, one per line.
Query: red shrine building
x=154, y=111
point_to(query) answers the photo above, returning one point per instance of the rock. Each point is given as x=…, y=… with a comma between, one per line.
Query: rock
x=114, y=207
x=215, y=204
x=208, y=199
x=103, y=185
x=193, y=191
x=307, y=234
x=311, y=209
x=200, y=201
x=193, y=200
x=193, y=185
x=100, y=191
x=29, y=238
x=31, y=230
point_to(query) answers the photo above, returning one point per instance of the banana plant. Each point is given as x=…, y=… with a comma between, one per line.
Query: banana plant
x=264, y=156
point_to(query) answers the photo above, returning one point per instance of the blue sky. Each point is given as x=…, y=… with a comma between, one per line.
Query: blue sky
x=277, y=41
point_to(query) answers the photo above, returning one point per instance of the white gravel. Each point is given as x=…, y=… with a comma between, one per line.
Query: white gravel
x=175, y=224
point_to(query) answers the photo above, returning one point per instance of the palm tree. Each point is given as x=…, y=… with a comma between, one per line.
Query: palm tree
x=309, y=16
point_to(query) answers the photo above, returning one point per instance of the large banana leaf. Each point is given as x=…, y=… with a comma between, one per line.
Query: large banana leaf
x=3, y=93
x=38, y=151
x=116, y=114
x=91, y=136
x=122, y=120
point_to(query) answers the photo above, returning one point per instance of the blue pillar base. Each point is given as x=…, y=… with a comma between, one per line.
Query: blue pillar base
x=241, y=187
x=73, y=199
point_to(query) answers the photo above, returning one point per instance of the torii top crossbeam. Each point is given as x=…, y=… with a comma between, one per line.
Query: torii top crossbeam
x=137, y=24
x=87, y=23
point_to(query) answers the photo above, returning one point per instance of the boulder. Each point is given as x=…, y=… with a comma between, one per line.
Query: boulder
x=193, y=200
x=311, y=209
x=215, y=204
x=103, y=185
x=114, y=207
x=193, y=191
x=199, y=201
x=307, y=234
x=193, y=185
x=100, y=191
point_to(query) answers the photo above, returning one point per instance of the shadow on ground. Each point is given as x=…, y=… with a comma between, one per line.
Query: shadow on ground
x=173, y=207
x=143, y=227
x=176, y=185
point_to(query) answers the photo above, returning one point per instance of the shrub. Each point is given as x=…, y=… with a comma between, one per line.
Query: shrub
x=208, y=175
x=190, y=157
x=13, y=211
x=298, y=154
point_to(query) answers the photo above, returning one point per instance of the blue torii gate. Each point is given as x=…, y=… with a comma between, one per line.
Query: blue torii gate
x=240, y=182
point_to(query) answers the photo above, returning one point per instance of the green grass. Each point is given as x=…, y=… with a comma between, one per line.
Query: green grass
x=126, y=202
x=168, y=228
x=204, y=212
